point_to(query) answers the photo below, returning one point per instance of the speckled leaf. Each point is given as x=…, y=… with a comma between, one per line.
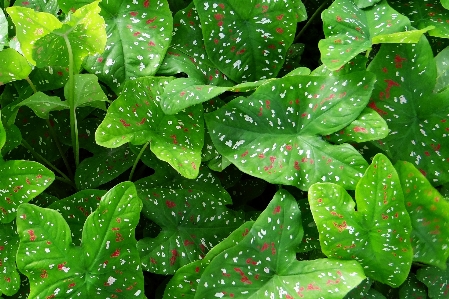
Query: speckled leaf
x=264, y=265
x=442, y=62
x=357, y=64
x=412, y=288
x=20, y=181
x=275, y=133
x=310, y=239
x=136, y=117
x=13, y=139
x=106, y=264
x=139, y=33
x=436, y=280
x=72, y=5
x=368, y=126
x=364, y=291
x=9, y=276
x=43, y=104
x=350, y=30
x=425, y=13
x=3, y=29
x=87, y=91
x=365, y=3
x=50, y=6
x=417, y=118
x=13, y=66
x=378, y=234
x=76, y=208
x=429, y=214
x=292, y=59
x=192, y=220
x=185, y=281
x=228, y=26
x=103, y=167
x=46, y=78
x=43, y=39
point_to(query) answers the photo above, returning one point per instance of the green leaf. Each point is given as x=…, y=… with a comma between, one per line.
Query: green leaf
x=228, y=27
x=366, y=3
x=106, y=264
x=9, y=242
x=50, y=6
x=429, y=215
x=310, y=239
x=136, y=117
x=46, y=42
x=377, y=234
x=417, y=117
x=20, y=181
x=412, y=288
x=87, y=91
x=442, y=62
x=436, y=280
x=364, y=291
x=103, y=167
x=275, y=133
x=423, y=14
x=139, y=33
x=43, y=104
x=13, y=139
x=350, y=30
x=264, y=263
x=2, y=135
x=3, y=29
x=13, y=66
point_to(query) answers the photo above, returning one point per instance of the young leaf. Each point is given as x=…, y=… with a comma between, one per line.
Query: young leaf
x=436, y=280
x=136, y=117
x=429, y=214
x=43, y=104
x=350, y=30
x=139, y=33
x=87, y=91
x=377, y=234
x=13, y=66
x=264, y=263
x=106, y=264
x=417, y=118
x=9, y=242
x=228, y=27
x=275, y=133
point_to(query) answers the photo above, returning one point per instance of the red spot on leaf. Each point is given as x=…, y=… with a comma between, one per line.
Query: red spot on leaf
x=280, y=17
x=174, y=256
x=219, y=16
x=373, y=106
x=149, y=21
x=137, y=33
x=133, y=13
x=338, y=19
x=358, y=129
x=244, y=154
x=146, y=3
x=170, y=204
x=124, y=123
x=398, y=61
x=116, y=253
x=279, y=30
x=32, y=235
x=277, y=210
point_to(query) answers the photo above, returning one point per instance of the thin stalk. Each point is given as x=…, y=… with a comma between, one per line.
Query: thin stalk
x=309, y=21
x=137, y=160
x=71, y=100
x=53, y=134
x=49, y=164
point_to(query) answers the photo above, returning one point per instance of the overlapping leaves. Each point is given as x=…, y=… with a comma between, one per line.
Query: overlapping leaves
x=275, y=134
x=106, y=264
x=377, y=234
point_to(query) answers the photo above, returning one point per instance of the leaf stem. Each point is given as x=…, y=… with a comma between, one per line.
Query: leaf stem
x=71, y=100
x=309, y=21
x=39, y=156
x=137, y=160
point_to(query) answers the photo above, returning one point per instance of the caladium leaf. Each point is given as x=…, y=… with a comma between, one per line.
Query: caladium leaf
x=9, y=242
x=377, y=234
x=103, y=167
x=106, y=264
x=365, y=3
x=442, y=62
x=136, y=117
x=364, y=291
x=13, y=66
x=429, y=214
x=13, y=139
x=44, y=39
x=350, y=30
x=266, y=260
x=292, y=59
x=270, y=26
x=76, y=208
x=425, y=13
x=50, y=6
x=368, y=126
x=416, y=117
x=147, y=26
x=310, y=239
x=275, y=133
x=43, y=104
x=412, y=288
x=3, y=29
x=87, y=91
x=436, y=280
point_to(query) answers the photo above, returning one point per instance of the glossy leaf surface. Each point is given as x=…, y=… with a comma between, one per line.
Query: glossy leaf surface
x=275, y=134
x=106, y=264
x=378, y=234
x=13, y=66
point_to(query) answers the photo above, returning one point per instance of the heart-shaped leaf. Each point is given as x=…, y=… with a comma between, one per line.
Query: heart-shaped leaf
x=45, y=41
x=270, y=26
x=417, y=118
x=429, y=215
x=266, y=261
x=43, y=104
x=139, y=33
x=87, y=91
x=377, y=234
x=275, y=133
x=136, y=117
x=9, y=242
x=412, y=288
x=13, y=66
x=350, y=30
x=106, y=264
x=436, y=280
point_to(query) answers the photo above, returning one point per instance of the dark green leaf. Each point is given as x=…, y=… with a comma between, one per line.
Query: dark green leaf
x=9, y=242
x=412, y=288
x=442, y=62
x=436, y=280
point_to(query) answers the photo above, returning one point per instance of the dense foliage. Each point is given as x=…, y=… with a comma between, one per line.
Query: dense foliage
x=224, y=149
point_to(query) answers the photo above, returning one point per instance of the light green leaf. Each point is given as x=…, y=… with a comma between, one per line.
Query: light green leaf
x=13, y=66
x=43, y=104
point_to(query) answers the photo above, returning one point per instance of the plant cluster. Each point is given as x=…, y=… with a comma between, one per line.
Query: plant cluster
x=224, y=149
